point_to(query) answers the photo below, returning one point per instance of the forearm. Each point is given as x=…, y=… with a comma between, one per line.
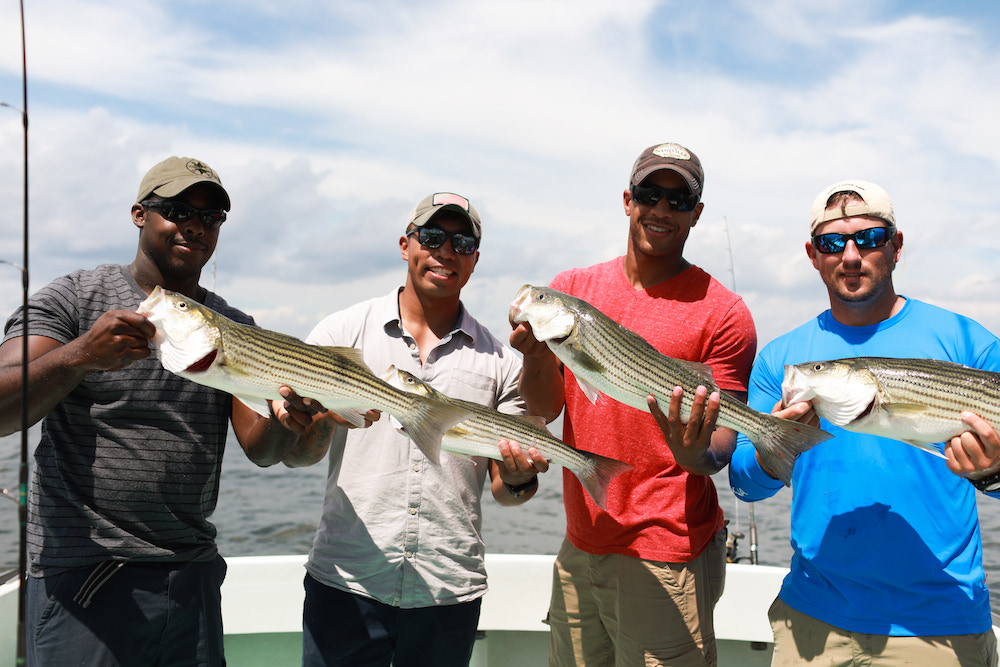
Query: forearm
x=268, y=442
x=747, y=478
x=51, y=377
x=716, y=457
x=312, y=445
x=541, y=386
x=501, y=492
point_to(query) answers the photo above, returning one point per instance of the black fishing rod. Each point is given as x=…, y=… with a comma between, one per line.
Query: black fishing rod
x=22, y=496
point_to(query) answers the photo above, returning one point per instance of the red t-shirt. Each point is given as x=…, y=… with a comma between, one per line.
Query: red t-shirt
x=656, y=511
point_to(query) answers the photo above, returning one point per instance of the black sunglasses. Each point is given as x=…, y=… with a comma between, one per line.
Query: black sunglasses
x=176, y=210
x=865, y=239
x=650, y=195
x=434, y=237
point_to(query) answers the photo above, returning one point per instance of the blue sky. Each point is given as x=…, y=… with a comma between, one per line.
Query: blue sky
x=328, y=121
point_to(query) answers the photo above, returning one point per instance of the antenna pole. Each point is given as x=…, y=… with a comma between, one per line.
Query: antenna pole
x=22, y=505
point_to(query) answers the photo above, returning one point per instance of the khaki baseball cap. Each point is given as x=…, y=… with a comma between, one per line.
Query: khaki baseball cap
x=430, y=205
x=673, y=157
x=175, y=175
x=876, y=204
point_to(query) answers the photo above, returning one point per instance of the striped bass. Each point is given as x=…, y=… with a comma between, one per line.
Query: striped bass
x=918, y=401
x=479, y=435
x=251, y=363
x=608, y=358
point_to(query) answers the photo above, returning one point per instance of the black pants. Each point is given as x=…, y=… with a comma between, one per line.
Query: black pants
x=340, y=629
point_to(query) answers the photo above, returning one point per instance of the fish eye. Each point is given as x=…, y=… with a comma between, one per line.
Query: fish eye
x=818, y=367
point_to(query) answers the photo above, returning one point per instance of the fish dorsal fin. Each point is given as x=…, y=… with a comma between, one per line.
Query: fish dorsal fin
x=353, y=355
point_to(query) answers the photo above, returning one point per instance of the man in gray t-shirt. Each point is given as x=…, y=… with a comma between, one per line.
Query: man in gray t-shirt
x=123, y=563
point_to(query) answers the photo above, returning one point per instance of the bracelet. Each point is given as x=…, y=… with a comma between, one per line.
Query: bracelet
x=521, y=489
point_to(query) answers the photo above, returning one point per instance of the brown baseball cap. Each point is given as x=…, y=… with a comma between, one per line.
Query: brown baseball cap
x=673, y=157
x=876, y=204
x=175, y=175
x=430, y=205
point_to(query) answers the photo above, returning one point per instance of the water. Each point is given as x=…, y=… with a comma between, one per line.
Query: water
x=270, y=511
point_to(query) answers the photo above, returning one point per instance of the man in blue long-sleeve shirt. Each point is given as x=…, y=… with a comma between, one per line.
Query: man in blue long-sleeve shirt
x=887, y=555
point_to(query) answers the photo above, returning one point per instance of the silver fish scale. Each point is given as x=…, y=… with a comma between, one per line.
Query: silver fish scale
x=316, y=368
x=945, y=388
x=623, y=350
x=487, y=427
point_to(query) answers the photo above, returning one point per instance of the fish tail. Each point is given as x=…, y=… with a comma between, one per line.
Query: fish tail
x=598, y=474
x=427, y=422
x=781, y=443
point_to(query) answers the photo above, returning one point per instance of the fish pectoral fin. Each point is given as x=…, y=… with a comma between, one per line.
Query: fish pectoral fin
x=258, y=405
x=904, y=410
x=926, y=446
x=589, y=390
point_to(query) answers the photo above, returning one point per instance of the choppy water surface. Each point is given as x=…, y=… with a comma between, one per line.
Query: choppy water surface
x=266, y=511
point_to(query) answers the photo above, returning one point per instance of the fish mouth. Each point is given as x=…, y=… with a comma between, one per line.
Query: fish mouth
x=202, y=364
x=521, y=299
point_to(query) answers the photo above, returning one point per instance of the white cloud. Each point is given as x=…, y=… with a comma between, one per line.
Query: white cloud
x=328, y=121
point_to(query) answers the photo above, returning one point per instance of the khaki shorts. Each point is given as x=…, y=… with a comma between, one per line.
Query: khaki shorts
x=800, y=639
x=615, y=610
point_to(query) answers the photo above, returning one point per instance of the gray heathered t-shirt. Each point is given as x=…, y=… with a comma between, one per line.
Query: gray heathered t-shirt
x=128, y=463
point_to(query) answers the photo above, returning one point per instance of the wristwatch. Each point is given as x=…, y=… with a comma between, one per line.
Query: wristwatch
x=989, y=484
x=521, y=489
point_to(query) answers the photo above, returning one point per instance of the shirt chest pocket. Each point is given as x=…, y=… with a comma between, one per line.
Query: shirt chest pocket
x=472, y=386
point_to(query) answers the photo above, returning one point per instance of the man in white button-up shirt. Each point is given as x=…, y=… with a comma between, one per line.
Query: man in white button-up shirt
x=396, y=570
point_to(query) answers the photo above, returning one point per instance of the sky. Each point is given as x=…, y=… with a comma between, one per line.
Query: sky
x=328, y=121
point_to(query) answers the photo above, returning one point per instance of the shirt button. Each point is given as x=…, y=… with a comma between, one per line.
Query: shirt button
x=409, y=554
x=416, y=467
x=413, y=510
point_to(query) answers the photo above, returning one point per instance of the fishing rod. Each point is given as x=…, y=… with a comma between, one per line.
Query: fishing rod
x=22, y=496
x=732, y=542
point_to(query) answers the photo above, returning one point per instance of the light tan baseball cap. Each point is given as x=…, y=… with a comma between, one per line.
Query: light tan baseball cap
x=876, y=204
x=175, y=175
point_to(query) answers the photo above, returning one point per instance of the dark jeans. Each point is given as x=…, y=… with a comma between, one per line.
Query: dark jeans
x=341, y=629
x=164, y=614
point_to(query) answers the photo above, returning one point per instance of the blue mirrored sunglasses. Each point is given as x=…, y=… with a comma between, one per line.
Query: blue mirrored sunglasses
x=865, y=239
x=650, y=195
x=434, y=237
x=176, y=210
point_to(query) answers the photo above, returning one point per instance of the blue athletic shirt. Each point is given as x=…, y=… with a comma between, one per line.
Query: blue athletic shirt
x=885, y=538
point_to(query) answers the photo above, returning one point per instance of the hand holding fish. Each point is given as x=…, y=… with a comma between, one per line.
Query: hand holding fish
x=975, y=453
x=800, y=411
x=297, y=413
x=117, y=338
x=692, y=442
x=519, y=466
x=541, y=384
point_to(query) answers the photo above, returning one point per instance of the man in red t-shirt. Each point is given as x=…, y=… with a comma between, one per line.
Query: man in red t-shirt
x=640, y=580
